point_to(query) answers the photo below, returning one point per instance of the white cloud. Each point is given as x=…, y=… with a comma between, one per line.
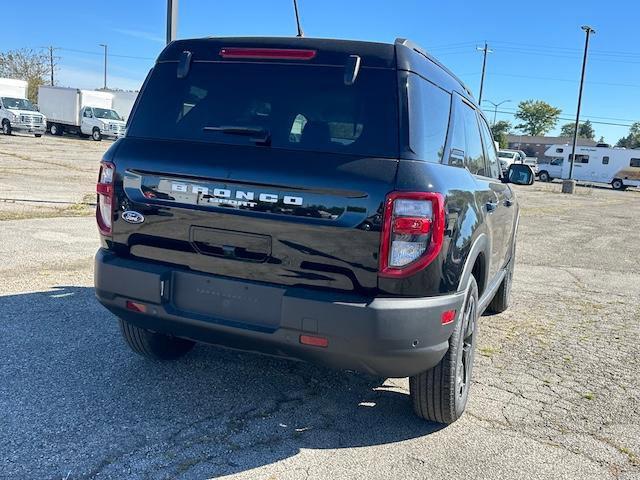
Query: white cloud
x=90, y=79
x=140, y=34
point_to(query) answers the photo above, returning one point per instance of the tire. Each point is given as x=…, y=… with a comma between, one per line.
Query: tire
x=617, y=184
x=544, y=176
x=6, y=127
x=37, y=135
x=501, y=299
x=96, y=136
x=55, y=129
x=152, y=345
x=440, y=394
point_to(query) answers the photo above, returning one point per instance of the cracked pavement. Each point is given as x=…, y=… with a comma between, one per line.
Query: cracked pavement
x=555, y=392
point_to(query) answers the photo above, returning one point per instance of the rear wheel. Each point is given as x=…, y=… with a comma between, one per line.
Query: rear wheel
x=155, y=346
x=544, y=176
x=617, y=184
x=96, y=135
x=440, y=394
x=37, y=135
x=6, y=127
x=55, y=129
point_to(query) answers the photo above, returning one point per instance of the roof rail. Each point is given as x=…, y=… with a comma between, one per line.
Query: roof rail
x=417, y=48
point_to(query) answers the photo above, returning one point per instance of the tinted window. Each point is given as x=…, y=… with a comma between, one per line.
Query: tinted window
x=474, y=155
x=635, y=162
x=302, y=107
x=490, y=148
x=429, y=108
x=605, y=160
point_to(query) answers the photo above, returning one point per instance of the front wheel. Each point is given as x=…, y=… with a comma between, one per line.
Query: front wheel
x=617, y=184
x=96, y=136
x=544, y=177
x=153, y=345
x=501, y=299
x=440, y=394
x=6, y=127
x=37, y=135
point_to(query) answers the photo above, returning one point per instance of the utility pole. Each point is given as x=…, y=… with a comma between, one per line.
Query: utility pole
x=105, y=64
x=495, y=109
x=568, y=185
x=485, y=51
x=172, y=20
x=51, y=65
x=295, y=7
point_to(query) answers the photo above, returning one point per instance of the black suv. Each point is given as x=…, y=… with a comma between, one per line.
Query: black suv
x=333, y=201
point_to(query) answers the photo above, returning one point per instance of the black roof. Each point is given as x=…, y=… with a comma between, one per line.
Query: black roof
x=402, y=55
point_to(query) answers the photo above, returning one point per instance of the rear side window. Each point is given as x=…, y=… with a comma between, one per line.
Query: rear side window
x=429, y=108
x=302, y=107
x=490, y=148
x=634, y=162
x=605, y=160
x=579, y=158
x=474, y=155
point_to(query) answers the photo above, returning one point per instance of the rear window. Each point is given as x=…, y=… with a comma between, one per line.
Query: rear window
x=302, y=107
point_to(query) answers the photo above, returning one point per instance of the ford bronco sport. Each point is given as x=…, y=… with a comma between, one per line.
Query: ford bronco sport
x=333, y=201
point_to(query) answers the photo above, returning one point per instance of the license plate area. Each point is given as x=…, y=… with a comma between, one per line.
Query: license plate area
x=248, y=247
x=227, y=300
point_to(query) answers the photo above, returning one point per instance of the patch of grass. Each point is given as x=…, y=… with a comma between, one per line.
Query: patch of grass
x=488, y=351
x=588, y=395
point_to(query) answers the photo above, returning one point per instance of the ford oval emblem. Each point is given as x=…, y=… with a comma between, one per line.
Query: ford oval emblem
x=132, y=217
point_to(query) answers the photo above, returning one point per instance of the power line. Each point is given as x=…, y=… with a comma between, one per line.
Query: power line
x=102, y=53
x=596, y=122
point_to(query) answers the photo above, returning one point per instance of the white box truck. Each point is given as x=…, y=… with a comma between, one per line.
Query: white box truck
x=85, y=112
x=17, y=114
x=617, y=166
x=123, y=102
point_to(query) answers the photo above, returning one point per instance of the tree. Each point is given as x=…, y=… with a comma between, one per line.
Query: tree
x=25, y=64
x=632, y=140
x=585, y=130
x=500, y=129
x=537, y=117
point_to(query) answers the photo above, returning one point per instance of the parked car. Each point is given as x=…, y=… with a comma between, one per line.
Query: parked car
x=277, y=195
x=88, y=113
x=16, y=112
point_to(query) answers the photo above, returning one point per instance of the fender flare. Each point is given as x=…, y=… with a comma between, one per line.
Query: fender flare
x=480, y=245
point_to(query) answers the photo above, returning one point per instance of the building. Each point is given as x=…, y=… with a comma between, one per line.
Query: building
x=536, y=146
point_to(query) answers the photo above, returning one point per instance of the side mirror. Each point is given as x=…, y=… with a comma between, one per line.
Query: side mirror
x=520, y=174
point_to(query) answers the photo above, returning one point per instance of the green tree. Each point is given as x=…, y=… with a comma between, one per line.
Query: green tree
x=585, y=130
x=632, y=140
x=25, y=64
x=537, y=117
x=500, y=129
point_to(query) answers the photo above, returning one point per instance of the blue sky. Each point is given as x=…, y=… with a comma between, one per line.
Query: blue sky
x=537, y=47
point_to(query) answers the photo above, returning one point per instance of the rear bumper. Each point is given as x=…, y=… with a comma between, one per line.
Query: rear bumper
x=390, y=337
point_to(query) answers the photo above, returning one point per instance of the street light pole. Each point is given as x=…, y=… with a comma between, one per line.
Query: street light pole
x=568, y=185
x=172, y=20
x=105, y=65
x=495, y=109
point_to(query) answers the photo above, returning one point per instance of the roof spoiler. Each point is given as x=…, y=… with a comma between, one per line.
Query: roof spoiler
x=417, y=48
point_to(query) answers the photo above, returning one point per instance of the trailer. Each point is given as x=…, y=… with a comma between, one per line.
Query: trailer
x=85, y=112
x=619, y=167
x=16, y=112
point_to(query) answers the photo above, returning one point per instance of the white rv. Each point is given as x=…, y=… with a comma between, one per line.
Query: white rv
x=617, y=166
x=85, y=112
x=16, y=112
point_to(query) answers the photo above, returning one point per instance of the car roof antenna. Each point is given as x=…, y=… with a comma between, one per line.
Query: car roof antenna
x=295, y=7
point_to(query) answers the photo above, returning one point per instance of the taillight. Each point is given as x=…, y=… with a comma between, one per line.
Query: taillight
x=267, y=53
x=105, y=191
x=412, y=232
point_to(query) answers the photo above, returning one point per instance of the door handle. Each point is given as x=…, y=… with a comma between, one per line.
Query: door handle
x=491, y=206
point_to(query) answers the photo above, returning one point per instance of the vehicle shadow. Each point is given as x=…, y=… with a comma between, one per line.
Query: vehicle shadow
x=70, y=389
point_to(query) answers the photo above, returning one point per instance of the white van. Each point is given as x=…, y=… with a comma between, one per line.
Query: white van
x=617, y=166
x=17, y=114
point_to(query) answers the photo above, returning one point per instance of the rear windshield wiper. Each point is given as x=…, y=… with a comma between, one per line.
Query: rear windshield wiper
x=259, y=135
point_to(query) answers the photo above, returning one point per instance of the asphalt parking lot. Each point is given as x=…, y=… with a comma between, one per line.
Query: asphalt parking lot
x=555, y=394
